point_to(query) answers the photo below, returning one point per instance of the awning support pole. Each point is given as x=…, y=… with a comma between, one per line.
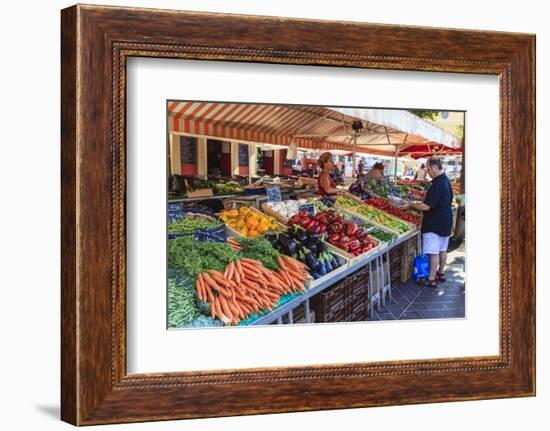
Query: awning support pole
x=395, y=163
x=354, y=171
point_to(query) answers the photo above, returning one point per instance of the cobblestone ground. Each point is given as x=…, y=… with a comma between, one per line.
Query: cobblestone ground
x=411, y=301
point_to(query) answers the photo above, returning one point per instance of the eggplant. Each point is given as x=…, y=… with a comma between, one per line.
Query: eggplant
x=312, y=236
x=273, y=241
x=314, y=248
x=315, y=275
x=290, y=247
x=312, y=262
x=284, y=239
x=322, y=269
x=328, y=265
x=302, y=235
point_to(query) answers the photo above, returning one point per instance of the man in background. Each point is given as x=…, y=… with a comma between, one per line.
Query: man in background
x=309, y=171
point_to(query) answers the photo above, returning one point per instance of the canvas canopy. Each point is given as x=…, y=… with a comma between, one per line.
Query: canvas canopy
x=385, y=131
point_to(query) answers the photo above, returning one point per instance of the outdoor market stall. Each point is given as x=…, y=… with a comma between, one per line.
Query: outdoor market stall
x=270, y=250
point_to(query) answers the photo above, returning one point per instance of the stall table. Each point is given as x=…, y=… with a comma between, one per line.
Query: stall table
x=378, y=297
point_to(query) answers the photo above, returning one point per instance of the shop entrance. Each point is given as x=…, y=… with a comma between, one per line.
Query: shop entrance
x=218, y=154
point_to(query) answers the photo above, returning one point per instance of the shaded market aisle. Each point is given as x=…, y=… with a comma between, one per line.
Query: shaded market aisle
x=411, y=301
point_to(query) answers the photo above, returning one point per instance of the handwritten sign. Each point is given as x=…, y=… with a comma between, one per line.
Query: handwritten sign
x=188, y=150
x=309, y=208
x=274, y=193
x=175, y=212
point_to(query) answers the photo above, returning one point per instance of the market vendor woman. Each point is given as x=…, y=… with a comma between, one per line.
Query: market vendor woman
x=376, y=172
x=437, y=221
x=325, y=184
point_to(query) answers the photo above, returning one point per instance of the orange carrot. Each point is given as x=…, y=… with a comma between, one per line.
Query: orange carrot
x=254, y=262
x=237, y=312
x=218, y=276
x=237, y=275
x=209, y=293
x=198, y=287
x=251, y=267
x=218, y=309
x=296, y=263
x=225, y=308
x=210, y=281
x=250, y=274
x=212, y=310
x=230, y=269
x=239, y=268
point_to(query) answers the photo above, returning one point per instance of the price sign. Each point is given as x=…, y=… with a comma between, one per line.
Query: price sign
x=309, y=208
x=274, y=194
x=175, y=212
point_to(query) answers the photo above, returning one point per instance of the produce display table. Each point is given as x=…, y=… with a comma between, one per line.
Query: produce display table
x=375, y=260
x=201, y=198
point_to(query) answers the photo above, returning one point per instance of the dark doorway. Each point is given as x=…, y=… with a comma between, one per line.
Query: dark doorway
x=213, y=157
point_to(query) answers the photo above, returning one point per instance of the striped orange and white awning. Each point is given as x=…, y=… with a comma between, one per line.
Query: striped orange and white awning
x=258, y=123
x=309, y=127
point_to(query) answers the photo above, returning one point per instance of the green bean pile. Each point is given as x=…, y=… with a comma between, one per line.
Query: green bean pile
x=182, y=308
x=188, y=225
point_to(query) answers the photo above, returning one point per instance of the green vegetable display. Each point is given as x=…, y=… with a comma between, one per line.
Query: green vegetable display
x=182, y=308
x=229, y=187
x=379, y=189
x=193, y=257
x=373, y=214
x=189, y=225
x=260, y=249
x=382, y=235
x=196, y=184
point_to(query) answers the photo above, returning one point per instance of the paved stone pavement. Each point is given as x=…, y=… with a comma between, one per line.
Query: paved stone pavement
x=411, y=301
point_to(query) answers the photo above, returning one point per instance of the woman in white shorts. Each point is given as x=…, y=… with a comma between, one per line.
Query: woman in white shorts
x=436, y=222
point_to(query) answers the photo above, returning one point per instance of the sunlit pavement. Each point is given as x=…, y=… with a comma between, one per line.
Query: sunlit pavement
x=411, y=301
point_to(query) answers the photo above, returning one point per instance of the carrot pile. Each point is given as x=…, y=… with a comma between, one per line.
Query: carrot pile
x=234, y=244
x=248, y=287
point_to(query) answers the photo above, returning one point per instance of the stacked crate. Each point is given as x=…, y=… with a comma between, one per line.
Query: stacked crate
x=407, y=259
x=346, y=301
x=299, y=315
x=396, y=263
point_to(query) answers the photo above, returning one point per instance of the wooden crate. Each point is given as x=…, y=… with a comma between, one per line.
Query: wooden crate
x=407, y=259
x=346, y=301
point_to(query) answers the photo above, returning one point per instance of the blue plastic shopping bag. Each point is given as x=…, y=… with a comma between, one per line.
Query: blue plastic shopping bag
x=421, y=266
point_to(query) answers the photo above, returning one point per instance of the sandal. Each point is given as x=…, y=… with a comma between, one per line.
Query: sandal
x=440, y=276
x=427, y=282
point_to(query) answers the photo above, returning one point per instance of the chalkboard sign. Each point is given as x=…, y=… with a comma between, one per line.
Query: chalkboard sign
x=188, y=150
x=274, y=193
x=243, y=155
x=309, y=208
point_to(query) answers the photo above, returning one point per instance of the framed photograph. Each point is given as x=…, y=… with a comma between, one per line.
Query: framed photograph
x=261, y=217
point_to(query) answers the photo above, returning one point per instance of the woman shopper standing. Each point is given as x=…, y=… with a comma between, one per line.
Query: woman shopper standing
x=326, y=186
x=436, y=222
